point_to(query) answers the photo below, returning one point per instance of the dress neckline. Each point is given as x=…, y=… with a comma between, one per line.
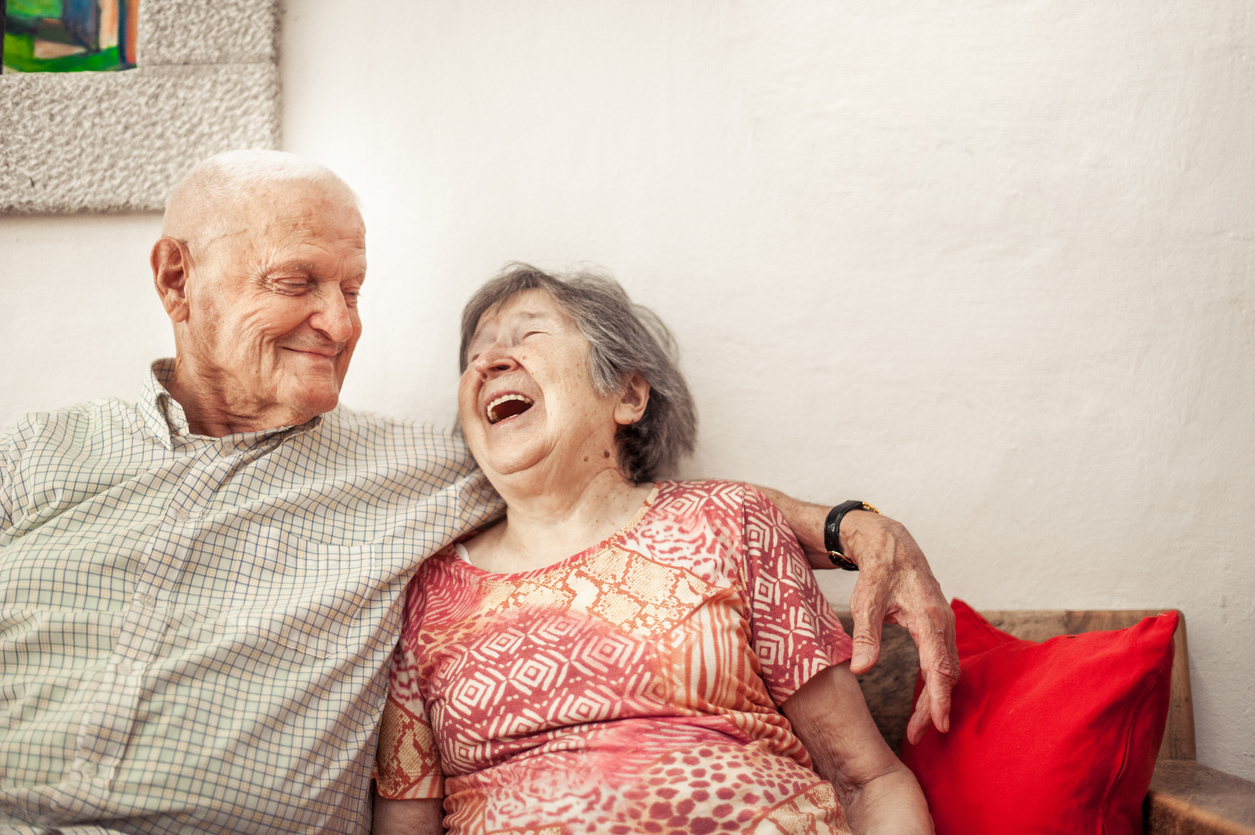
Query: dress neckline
x=463, y=558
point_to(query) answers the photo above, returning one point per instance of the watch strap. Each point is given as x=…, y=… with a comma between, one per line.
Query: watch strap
x=832, y=532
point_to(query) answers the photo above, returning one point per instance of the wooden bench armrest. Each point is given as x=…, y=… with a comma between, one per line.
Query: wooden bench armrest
x=1186, y=798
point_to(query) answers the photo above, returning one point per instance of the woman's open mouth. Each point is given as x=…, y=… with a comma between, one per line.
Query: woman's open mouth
x=507, y=406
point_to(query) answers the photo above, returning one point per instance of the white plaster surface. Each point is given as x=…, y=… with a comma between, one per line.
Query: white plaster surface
x=985, y=264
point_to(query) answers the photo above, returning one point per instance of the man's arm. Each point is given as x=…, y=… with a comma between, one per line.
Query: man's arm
x=895, y=585
x=10, y=454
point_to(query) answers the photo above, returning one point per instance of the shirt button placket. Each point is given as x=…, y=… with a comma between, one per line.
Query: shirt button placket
x=108, y=723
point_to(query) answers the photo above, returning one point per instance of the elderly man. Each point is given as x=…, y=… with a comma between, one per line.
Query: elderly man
x=199, y=592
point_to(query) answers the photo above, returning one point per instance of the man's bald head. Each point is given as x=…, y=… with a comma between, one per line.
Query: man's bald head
x=259, y=267
x=201, y=206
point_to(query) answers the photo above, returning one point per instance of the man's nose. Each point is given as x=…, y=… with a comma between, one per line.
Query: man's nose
x=333, y=317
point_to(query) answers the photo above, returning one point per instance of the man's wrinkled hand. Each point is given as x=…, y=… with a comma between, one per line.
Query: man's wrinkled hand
x=895, y=585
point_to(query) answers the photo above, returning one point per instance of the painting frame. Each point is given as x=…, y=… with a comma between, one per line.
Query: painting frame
x=207, y=80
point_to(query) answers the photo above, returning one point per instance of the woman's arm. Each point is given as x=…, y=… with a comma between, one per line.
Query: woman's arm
x=879, y=793
x=408, y=817
x=895, y=585
x=407, y=758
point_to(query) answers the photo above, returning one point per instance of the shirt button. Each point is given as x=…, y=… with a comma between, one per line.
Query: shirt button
x=147, y=600
x=182, y=515
x=87, y=769
x=125, y=668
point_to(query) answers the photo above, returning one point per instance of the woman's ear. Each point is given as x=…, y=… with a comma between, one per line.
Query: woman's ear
x=170, y=262
x=632, y=401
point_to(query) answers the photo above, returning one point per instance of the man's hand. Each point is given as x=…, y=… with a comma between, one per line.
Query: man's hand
x=895, y=585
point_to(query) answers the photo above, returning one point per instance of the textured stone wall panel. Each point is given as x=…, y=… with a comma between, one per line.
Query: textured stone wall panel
x=207, y=81
x=118, y=141
x=200, y=32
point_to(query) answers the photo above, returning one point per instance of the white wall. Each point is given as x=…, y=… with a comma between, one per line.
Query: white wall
x=986, y=264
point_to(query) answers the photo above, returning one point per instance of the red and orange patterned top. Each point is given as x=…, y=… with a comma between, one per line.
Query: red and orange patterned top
x=630, y=688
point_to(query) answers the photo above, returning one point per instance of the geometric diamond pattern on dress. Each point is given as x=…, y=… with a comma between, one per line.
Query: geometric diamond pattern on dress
x=633, y=687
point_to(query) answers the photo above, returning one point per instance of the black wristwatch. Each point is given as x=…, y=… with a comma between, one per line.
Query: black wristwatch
x=832, y=533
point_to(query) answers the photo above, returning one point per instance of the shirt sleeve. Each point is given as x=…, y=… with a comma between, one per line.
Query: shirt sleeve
x=793, y=630
x=407, y=761
x=478, y=503
x=10, y=457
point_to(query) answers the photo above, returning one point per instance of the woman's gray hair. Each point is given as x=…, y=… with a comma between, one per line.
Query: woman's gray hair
x=624, y=339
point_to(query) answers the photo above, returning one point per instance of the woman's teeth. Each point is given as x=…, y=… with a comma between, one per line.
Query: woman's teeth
x=506, y=406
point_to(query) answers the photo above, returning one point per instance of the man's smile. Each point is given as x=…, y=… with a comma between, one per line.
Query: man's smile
x=319, y=353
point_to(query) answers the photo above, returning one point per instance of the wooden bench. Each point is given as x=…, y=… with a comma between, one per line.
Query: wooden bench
x=1185, y=798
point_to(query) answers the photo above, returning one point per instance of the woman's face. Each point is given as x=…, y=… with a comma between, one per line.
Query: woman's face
x=526, y=400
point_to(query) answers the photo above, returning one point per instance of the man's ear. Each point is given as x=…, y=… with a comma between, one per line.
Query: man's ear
x=632, y=401
x=171, y=263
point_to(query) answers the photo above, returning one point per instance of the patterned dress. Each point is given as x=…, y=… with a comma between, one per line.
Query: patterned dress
x=631, y=688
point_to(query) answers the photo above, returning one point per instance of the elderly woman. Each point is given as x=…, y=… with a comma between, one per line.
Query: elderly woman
x=617, y=653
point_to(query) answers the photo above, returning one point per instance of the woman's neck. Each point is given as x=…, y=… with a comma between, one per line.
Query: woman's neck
x=545, y=526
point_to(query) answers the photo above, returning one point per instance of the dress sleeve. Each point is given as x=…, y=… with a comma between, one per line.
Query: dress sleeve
x=793, y=630
x=407, y=761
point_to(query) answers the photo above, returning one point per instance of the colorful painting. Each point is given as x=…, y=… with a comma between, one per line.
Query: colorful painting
x=68, y=35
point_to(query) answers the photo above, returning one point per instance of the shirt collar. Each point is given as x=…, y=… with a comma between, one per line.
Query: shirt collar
x=165, y=418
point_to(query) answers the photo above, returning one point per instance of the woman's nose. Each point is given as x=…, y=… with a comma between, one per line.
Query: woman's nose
x=495, y=359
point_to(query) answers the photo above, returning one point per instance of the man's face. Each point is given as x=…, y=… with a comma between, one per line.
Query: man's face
x=272, y=307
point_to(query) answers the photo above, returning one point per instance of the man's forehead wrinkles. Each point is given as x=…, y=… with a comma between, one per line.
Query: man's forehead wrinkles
x=298, y=251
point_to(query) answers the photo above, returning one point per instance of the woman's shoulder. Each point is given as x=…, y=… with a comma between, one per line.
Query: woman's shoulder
x=732, y=496
x=711, y=525
x=730, y=505
x=435, y=565
x=441, y=581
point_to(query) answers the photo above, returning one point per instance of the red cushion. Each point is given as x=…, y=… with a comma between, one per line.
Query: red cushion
x=1056, y=737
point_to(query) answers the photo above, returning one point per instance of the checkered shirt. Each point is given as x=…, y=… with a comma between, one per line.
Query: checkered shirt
x=194, y=631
